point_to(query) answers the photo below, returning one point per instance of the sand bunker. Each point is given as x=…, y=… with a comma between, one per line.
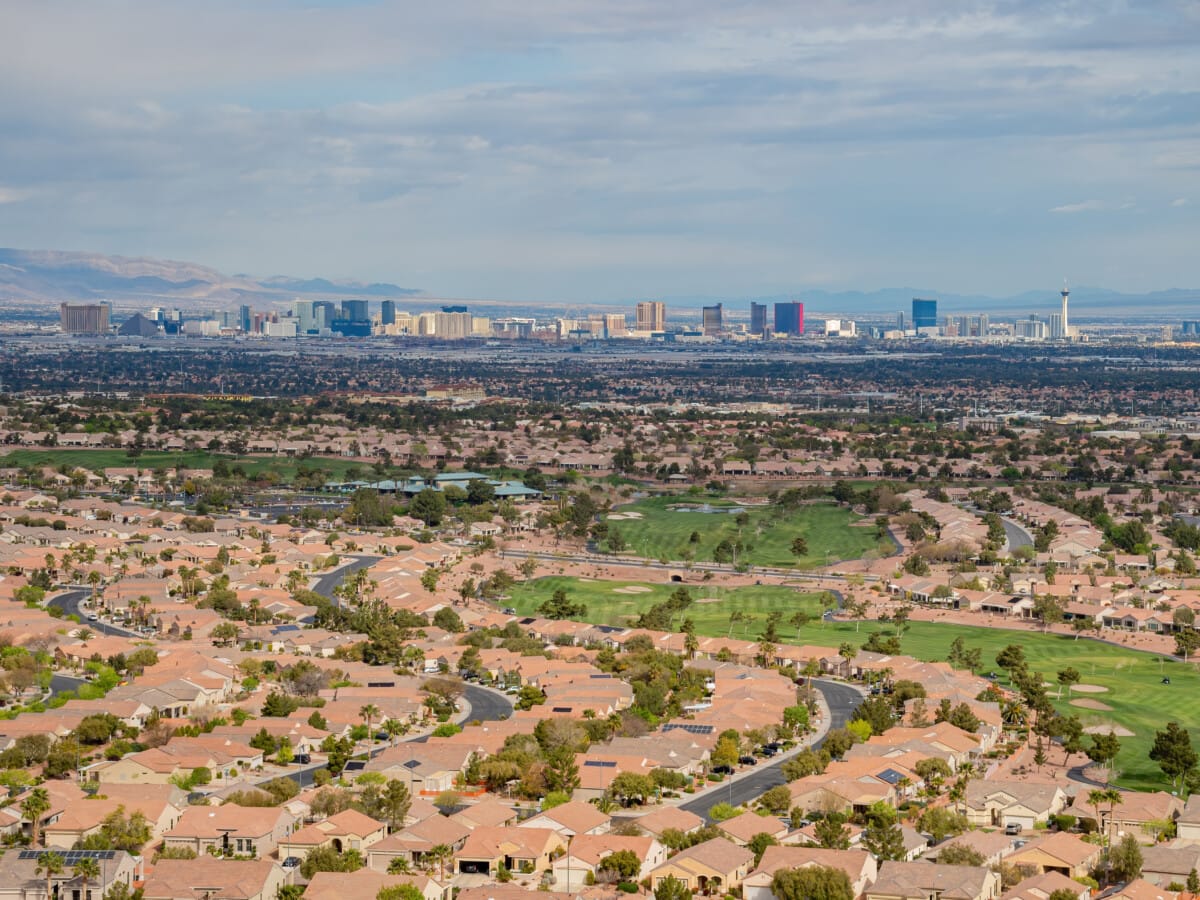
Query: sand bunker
x=1091, y=704
x=633, y=515
x=617, y=517
x=710, y=600
x=1108, y=729
x=632, y=589
x=1089, y=689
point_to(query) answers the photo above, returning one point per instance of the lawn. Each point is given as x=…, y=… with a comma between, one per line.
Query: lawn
x=658, y=531
x=613, y=602
x=284, y=468
x=1139, y=701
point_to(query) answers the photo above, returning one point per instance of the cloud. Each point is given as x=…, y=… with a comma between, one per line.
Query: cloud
x=375, y=139
x=1179, y=201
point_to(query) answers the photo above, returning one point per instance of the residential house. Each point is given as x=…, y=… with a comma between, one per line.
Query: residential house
x=571, y=819
x=21, y=880
x=368, y=883
x=1163, y=865
x=1187, y=826
x=923, y=880
x=1040, y=887
x=859, y=865
x=716, y=866
x=231, y=829
x=586, y=854
x=205, y=876
x=526, y=850
x=996, y=803
x=347, y=830
x=1060, y=852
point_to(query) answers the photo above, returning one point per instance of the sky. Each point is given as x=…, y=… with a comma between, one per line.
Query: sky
x=601, y=150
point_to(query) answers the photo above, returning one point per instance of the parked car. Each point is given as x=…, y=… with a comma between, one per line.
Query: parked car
x=302, y=759
x=1012, y=828
x=722, y=770
x=747, y=761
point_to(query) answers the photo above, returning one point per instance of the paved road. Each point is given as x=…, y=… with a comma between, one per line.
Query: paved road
x=61, y=683
x=1017, y=536
x=325, y=584
x=842, y=700
x=68, y=601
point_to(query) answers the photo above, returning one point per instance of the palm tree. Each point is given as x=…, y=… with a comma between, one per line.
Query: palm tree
x=369, y=712
x=440, y=853
x=36, y=805
x=394, y=728
x=50, y=864
x=87, y=870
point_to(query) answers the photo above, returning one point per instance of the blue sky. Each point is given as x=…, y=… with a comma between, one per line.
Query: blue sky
x=577, y=150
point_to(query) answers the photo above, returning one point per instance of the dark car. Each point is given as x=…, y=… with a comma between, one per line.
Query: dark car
x=302, y=759
x=747, y=761
x=722, y=770
x=768, y=750
x=291, y=862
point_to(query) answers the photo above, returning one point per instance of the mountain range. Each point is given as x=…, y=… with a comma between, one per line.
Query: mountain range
x=30, y=277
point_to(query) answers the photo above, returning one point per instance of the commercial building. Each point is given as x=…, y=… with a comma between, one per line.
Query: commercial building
x=758, y=319
x=84, y=318
x=652, y=316
x=924, y=313
x=1058, y=330
x=1031, y=329
x=712, y=320
x=387, y=312
x=789, y=318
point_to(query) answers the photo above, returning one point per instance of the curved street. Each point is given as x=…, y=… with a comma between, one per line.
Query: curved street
x=745, y=787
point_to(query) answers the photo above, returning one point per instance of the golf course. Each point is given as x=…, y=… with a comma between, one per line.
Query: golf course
x=680, y=527
x=1127, y=682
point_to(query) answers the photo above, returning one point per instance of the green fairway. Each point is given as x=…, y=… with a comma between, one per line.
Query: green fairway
x=1138, y=699
x=283, y=468
x=613, y=602
x=653, y=528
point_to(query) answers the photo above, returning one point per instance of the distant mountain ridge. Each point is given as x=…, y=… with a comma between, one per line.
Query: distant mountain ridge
x=72, y=276
x=53, y=276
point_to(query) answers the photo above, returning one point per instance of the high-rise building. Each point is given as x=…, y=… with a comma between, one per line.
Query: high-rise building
x=324, y=312
x=1030, y=329
x=924, y=313
x=244, y=320
x=1066, y=324
x=712, y=319
x=356, y=310
x=452, y=326
x=789, y=318
x=387, y=312
x=84, y=318
x=652, y=316
x=1056, y=329
x=758, y=318
x=614, y=325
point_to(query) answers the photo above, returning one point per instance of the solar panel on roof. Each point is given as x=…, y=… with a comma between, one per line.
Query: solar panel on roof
x=411, y=764
x=282, y=628
x=602, y=675
x=689, y=728
x=380, y=684
x=69, y=857
x=600, y=763
x=560, y=709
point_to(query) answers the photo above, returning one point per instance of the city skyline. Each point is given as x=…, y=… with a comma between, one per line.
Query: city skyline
x=601, y=153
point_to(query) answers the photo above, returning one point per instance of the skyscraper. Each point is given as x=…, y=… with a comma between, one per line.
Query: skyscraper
x=1066, y=324
x=924, y=313
x=652, y=316
x=758, y=318
x=355, y=310
x=789, y=318
x=83, y=318
x=712, y=319
x=387, y=312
